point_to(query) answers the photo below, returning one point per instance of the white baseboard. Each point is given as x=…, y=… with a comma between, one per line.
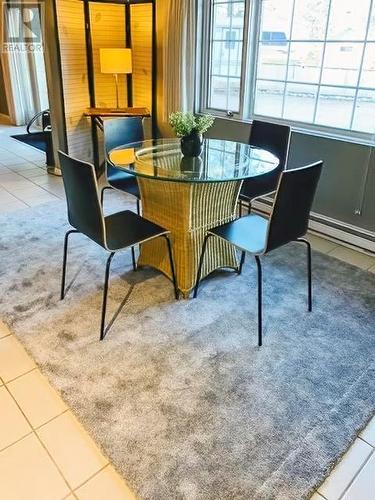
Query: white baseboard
x=332, y=229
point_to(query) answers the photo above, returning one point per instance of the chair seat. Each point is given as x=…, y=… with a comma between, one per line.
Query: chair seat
x=126, y=229
x=123, y=181
x=248, y=233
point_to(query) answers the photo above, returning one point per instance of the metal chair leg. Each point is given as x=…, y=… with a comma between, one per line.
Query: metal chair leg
x=105, y=293
x=133, y=260
x=243, y=255
x=200, y=265
x=309, y=273
x=249, y=208
x=240, y=208
x=260, y=328
x=138, y=207
x=172, y=265
x=65, y=256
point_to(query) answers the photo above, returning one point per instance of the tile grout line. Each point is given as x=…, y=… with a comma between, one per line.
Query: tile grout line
x=17, y=143
x=353, y=478
x=18, y=172
x=15, y=442
x=25, y=202
x=341, y=245
x=364, y=440
x=72, y=494
x=34, y=431
x=38, y=438
x=108, y=464
x=53, y=418
x=351, y=263
x=357, y=474
x=350, y=248
x=22, y=374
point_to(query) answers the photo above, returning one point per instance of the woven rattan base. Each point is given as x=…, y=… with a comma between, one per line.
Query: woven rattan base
x=188, y=210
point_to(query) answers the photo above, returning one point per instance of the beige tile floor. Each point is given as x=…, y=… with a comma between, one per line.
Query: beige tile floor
x=45, y=453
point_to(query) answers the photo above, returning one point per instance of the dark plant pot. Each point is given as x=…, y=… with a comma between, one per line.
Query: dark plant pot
x=191, y=145
x=191, y=164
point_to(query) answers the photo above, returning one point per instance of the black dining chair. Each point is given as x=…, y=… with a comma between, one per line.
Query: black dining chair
x=115, y=232
x=118, y=132
x=274, y=138
x=288, y=222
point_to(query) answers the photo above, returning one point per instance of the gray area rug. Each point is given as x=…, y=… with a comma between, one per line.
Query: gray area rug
x=178, y=395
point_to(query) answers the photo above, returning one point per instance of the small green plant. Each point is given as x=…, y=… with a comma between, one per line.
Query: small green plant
x=187, y=123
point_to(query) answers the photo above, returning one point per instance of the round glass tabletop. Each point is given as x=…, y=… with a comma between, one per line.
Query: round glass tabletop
x=220, y=161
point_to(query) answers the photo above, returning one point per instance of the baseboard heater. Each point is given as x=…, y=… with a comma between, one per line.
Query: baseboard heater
x=346, y=234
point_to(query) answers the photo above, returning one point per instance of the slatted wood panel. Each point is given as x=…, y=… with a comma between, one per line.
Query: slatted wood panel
x=71, y=30
x=141, y=32
x=107, y=31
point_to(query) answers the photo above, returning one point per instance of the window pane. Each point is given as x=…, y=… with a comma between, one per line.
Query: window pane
x=311, y=19
x=219, y=92
x=225, y=93
x=348, y=19
x=368, y=69
x=315, y=60
x=341, y=63
x=272, y=61
x=365, y=111
x=228, y=21
x=335, y=106
x=371, y=33
x=305, y=62
x=226, y=60
x=276, y=20
x=300, y=102
x=226, y=55
x=234, y=94
x=269, y=98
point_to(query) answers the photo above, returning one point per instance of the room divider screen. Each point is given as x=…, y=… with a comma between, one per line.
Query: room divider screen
x=85, y=26
x=129, y=24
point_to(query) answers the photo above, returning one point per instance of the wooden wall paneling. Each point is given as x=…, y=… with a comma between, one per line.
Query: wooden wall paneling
x=141, y=33
x=71, y=29
x=107, y=31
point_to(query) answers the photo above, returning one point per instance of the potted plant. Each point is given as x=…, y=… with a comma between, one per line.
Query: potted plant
x=190, y=129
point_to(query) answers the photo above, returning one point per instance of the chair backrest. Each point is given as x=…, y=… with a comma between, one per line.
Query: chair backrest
x=118, y=131
x=292, y=205
x=272, y=137
x=81, y=190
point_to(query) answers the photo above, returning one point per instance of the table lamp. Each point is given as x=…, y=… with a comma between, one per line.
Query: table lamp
x=116, y=62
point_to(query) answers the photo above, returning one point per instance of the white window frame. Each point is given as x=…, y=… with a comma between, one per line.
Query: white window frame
x=250, y=54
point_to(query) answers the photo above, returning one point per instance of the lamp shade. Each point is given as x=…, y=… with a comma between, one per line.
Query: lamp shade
x=116, y=61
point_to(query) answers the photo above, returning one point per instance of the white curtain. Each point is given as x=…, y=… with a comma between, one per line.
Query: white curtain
x=27, y=77
x=179, y=57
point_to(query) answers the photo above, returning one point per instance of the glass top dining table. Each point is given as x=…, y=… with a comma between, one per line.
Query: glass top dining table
x=219, y=161
x=188, y=196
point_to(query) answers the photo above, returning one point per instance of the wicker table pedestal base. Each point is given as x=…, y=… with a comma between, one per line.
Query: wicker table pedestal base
x=188, y=210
